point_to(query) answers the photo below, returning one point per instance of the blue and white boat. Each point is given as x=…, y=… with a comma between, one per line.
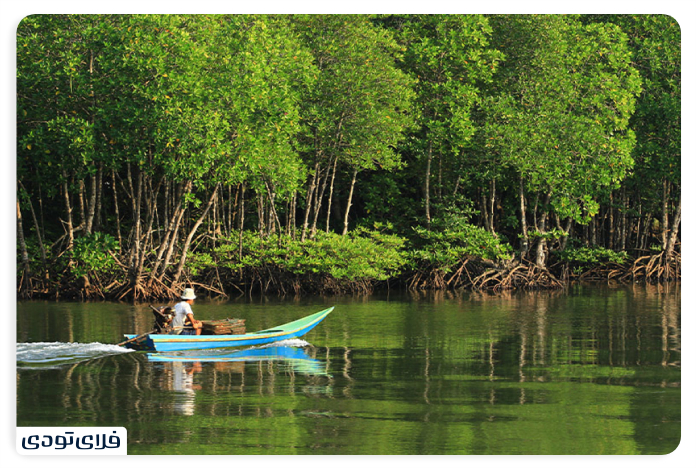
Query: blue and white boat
x=164, y=343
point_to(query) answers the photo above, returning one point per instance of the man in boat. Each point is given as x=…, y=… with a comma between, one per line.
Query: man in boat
x=183, y=316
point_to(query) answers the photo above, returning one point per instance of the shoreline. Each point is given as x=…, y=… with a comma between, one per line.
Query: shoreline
x=471, y=274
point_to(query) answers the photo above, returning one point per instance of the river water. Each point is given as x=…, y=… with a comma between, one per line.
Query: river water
x=591, y=370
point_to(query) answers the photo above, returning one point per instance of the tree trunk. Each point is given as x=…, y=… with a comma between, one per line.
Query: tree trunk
x=672, y=240
x=350, y=201
x=41, y=214
x=317, y=205
x=22, y=243
x=187, y=244
x=36, y=226
x=100, y=197
x=484, y=211
x=524, y=242
x=170, y=236
x=439, y=178
x=456, y=186
x=68, y=210
x=426, y=188
x=259, y=211
x=310, y=194
x=274, y=213
x=165, y=209
x=81, y=204
x=232, y=208
x=593, y=231
x=91, y=204
x=639, y=225
x=488, y=208
x=241, y=218
x=646, y=231
x=624, y=219
x=292, y=215
x=491, y=212
x=137, y=224
x=218, y=199
x=171, y=244
x=331, y=191
x=151, y=211
x=541, y=244
x=311, y=229
x=611, y=221
x=134, y=267
x=665, y=215
x=118, y=216
x=288, y=209
x=564, y=239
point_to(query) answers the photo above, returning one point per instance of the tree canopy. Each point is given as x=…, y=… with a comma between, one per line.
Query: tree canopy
x=157, y=140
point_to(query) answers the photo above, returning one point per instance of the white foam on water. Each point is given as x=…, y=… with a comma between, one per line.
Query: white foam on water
x=292, y=343
x=56, y=353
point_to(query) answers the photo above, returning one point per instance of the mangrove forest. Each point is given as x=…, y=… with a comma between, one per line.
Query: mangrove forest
x=294, y=154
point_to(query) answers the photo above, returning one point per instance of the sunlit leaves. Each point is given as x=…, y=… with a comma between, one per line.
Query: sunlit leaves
x=561, y=110
x=655, y=45
x=359, y=106
x=450, y=57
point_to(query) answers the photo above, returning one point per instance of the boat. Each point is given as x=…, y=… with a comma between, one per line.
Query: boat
x=164, y=342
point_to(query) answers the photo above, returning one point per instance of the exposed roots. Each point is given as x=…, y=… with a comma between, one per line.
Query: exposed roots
x=649, y=268
x=655, y=268
x=471, y=273
x=479, y=275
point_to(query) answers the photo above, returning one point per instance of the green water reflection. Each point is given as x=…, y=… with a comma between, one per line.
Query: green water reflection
x=587, y=371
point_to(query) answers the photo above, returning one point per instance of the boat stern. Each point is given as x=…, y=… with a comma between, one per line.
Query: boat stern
x=140, y=343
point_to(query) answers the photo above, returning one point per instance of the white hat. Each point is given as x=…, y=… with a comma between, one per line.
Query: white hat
x=188, y=294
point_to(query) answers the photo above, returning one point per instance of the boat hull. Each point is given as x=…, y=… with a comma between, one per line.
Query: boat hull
x=164, y=343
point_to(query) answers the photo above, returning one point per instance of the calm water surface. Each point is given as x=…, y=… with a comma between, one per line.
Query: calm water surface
x=587, y=371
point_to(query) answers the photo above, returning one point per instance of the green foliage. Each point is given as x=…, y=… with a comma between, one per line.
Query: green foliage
x=584, y=258
x=551, y=234
x=121, y=116
x=91, y=254
x=363, y=255
x=560, y=110
x=451, y=60
x=655, y=43
x=359, y=107
x=198, y=262
x=443, y=248
x=449, y=56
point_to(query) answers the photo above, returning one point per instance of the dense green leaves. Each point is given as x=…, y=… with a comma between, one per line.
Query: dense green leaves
x=362, y=256
x=92, y=255
x=449, y=57
x=444, y=248
x=560, y=116
x=655, y=41
x=360, y=106
x=469, y=135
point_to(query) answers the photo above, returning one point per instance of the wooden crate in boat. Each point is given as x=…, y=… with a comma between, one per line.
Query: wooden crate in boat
x=230, y=326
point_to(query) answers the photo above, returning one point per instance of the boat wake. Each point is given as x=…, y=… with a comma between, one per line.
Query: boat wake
x=51, y=355
x=291, y=343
